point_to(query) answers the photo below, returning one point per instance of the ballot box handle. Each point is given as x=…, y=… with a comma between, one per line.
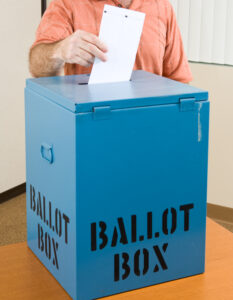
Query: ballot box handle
x=46, y=151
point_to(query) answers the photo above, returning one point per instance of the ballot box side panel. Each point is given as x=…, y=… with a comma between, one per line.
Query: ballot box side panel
x=141, y=197
x=51, y=189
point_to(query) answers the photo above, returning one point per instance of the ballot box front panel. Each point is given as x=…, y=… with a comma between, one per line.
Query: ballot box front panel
x=141, y=196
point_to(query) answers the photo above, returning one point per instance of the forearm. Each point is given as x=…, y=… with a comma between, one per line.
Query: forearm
x=79, y=48
x=44, y=61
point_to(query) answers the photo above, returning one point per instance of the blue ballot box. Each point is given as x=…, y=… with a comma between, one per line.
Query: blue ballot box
x=116, y=181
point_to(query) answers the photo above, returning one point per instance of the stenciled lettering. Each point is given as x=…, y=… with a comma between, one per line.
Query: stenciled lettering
x=53, y=219
x=186, y=209
x=141, y=257
x=48, y=245
x=126, y=230
x=173, y=220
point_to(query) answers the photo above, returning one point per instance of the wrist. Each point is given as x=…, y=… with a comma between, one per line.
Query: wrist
x=57, y=53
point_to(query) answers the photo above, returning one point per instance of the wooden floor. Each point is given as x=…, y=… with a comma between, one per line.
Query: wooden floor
x=23, y=277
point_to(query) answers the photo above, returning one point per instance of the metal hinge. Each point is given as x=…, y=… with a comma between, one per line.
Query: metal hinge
x=187, y=104
x=101, y=112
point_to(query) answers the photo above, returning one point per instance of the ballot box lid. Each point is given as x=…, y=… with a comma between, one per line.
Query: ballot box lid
x=144, y=89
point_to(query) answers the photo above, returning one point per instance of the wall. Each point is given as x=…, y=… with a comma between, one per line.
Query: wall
x=218, y=80
x=207, y=29
x=18, y=22
x=17, y=33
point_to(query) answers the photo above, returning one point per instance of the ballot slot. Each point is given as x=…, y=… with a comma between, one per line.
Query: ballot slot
x=83, y=80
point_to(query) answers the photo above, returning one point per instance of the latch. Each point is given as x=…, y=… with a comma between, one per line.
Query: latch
x=101, y=112
x=187, y=104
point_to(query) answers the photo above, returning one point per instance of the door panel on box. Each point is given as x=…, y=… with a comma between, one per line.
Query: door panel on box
x=51, y=189
x=141, y=197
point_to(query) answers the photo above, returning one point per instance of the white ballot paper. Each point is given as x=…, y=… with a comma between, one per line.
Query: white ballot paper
x=121, y=31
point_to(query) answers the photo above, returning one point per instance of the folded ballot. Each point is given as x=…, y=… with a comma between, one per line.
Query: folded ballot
x=121, y=31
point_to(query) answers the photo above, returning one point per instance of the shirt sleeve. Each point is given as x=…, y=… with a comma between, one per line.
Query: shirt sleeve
x=56, y=23
x=175, y=63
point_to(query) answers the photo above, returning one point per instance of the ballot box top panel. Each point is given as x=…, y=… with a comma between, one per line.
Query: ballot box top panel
x=144, y=89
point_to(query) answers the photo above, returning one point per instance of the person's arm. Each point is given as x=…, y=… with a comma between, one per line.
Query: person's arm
x=48, y=59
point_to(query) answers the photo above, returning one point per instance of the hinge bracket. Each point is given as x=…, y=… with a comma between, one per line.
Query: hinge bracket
x=101, y=112
x=187, y=104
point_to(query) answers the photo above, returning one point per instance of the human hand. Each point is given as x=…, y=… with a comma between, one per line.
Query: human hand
x=81, y=48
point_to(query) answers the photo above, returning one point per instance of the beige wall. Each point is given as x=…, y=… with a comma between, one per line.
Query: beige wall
x=18, y=22
x=218, y=80
x=21, y=25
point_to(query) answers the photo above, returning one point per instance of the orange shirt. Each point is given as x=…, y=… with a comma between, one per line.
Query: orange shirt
x=160, y=50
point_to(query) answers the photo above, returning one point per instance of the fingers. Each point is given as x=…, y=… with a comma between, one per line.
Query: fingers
x=81, y=57
x=82, y=48
x=93, y=39
x=88, y=57
x=91, y=43
x=80, y=61
x=93, y=50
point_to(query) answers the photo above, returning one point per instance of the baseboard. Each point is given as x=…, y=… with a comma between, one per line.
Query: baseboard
x=220, y=213
x=16, y=191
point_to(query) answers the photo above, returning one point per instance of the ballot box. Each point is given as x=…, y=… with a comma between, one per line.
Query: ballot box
x=116, y=181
